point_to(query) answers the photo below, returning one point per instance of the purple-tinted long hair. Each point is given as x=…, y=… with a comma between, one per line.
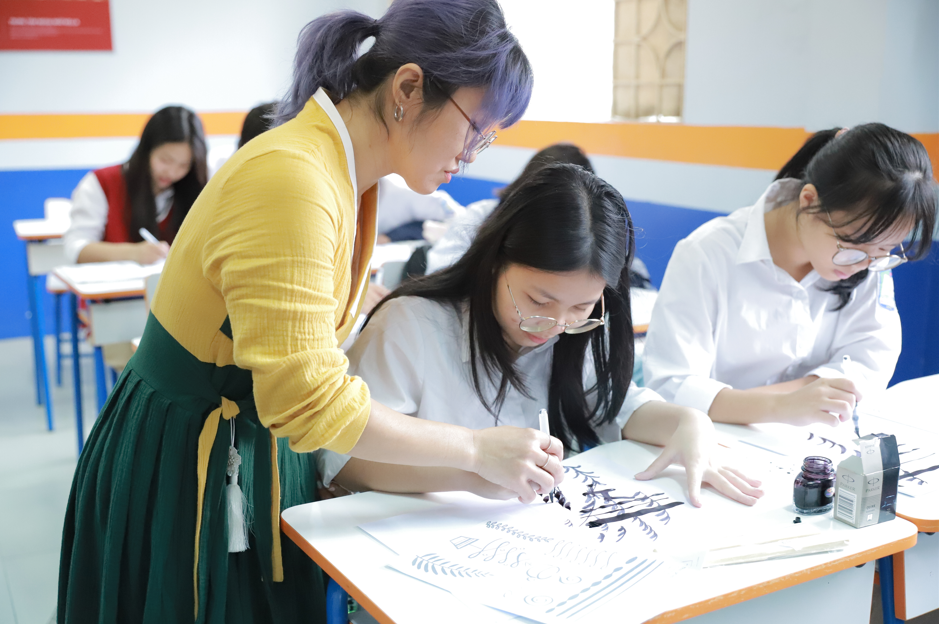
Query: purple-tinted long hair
x=457, y=43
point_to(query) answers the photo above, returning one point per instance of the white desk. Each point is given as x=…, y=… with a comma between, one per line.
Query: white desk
x=44, y=251
x=116, y=312
x=772, y=591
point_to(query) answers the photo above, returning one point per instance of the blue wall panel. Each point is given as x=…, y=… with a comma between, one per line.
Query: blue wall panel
x=22, y=194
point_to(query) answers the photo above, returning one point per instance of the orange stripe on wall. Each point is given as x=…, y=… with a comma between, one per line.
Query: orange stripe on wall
x=101, y=125
x=755, y=148
x=747, y=147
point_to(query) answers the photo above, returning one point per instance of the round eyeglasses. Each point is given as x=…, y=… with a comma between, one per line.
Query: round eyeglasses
x=482, y=141
x=850, y=257
x=537, y=324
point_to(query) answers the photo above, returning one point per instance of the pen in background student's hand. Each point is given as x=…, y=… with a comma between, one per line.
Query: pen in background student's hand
x=147, y=236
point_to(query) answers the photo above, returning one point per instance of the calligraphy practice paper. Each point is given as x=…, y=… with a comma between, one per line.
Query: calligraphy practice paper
x=543, y=561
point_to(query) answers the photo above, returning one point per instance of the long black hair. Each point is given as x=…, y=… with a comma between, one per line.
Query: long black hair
x=561, y=218
x=173, y=124
x=872, y=177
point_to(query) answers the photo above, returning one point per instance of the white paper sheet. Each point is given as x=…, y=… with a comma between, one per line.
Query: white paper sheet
x=543, y=561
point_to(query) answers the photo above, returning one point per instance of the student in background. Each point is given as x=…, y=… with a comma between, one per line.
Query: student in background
x=257, y=121
x=535, y=315
x=758, y=309
x=402, y=212
x=154, y=190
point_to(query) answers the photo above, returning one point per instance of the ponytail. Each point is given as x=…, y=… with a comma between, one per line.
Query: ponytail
x=326, y=51
x=797, y=165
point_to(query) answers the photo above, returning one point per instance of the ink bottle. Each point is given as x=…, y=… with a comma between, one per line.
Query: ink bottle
x=814, y=488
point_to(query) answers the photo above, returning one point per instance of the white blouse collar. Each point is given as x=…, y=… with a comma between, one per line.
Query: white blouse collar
x=755, y=245
x=327, y=105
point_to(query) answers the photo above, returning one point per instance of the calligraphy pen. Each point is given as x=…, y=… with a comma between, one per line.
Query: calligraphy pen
x=556, y=493
x=845, y=364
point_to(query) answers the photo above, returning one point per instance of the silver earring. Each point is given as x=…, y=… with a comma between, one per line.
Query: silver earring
x=399, y=112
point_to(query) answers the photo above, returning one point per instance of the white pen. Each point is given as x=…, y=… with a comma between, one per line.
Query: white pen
x=147, y=236
x=545, y=427
x=846, y=363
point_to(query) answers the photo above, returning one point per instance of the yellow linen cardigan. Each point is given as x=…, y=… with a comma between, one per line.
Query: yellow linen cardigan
x=272, y=243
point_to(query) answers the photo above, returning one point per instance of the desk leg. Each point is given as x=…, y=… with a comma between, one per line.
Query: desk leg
x=33, y=318
x=57, y=298
x=76, y=372
x=101, y=383
x=43, y=366
x=885, y=569
x=337, y=604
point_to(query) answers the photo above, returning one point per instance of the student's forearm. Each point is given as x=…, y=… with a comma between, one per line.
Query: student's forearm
x=741, y=407
x=107, y=252
x=393, y=438
x=786, y=386
x=359, y=475
x=656, y=421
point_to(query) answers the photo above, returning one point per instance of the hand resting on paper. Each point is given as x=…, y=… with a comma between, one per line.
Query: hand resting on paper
x=688, y=437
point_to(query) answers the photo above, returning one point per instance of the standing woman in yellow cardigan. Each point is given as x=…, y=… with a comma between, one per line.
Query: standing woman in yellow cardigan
x=241, y=351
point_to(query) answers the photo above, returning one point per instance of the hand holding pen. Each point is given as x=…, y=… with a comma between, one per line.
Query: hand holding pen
x=848, y=365
x=150, y=250
x=556, y=494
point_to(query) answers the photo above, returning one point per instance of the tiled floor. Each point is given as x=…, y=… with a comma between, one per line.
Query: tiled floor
x=36, y=468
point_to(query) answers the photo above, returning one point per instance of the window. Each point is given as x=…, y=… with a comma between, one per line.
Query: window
x=649, y=59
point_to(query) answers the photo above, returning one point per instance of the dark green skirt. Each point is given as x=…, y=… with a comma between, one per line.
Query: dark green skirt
x=128, y=546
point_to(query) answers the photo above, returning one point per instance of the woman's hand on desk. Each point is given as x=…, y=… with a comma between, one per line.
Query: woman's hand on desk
x=691, y=445
x=524, y=461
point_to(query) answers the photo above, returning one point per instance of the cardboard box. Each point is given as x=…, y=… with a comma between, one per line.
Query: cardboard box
x=866, y=484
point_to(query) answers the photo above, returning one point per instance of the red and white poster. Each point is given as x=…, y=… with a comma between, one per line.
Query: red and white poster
x=55, y=25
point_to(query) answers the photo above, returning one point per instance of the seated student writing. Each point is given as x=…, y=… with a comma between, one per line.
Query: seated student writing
x=535, y=315
x=153, y=190
x=758, y=309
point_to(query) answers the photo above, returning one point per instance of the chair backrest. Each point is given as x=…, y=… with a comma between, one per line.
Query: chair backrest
x=58, y=208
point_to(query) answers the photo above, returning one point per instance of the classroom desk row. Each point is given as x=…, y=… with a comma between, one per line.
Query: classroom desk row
x=832, y=587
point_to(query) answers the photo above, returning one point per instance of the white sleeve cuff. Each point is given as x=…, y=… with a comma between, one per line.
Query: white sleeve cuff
x=636, y=397
x=329, y=464
x=827, y=371
x=698, y=392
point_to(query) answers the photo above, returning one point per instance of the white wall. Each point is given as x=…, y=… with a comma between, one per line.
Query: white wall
x=210, y=55
x=570, y=46
x=813, y=63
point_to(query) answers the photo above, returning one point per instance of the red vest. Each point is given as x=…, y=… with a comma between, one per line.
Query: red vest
x=117, y=229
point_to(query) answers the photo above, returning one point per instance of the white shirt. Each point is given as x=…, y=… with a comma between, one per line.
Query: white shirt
x=400, y=205
x=727, y=316
x=459, y=235
x=89, y=214
x=414, y=357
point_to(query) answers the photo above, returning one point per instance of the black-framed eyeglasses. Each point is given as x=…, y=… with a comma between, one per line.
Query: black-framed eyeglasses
x=850, y=257
x=482, y=141
x=537, y=324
